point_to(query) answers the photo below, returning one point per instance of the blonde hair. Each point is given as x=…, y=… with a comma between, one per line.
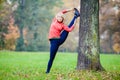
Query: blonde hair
x=61, y=15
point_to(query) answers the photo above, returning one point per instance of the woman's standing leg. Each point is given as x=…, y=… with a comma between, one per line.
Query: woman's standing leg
x=54, y=45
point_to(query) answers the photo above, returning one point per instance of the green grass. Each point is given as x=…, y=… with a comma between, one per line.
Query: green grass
x=111, y=62
x=32, y=66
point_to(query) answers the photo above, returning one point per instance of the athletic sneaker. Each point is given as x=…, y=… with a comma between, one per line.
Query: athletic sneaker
x=76, y=12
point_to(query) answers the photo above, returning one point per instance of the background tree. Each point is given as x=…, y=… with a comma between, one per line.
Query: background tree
x=5, y=13
x=11, y=35
x=109, y=25
x=88, y=50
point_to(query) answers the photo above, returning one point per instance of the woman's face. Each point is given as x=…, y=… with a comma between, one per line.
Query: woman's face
x=59, y=18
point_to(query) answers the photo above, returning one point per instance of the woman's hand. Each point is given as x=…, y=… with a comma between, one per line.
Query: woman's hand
x=71, y=9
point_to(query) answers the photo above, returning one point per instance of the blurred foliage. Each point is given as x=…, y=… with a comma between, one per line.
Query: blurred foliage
x=36, y=16
x=5, y=12
x=33, y=15
x=11, y=35
x=109, y=22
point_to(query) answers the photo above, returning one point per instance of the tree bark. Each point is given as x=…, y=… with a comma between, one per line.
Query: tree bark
x=88, y=50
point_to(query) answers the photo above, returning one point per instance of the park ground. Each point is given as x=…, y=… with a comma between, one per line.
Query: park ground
x=32, y=66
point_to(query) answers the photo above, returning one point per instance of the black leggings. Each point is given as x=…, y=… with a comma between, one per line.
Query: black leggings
x=55, y=43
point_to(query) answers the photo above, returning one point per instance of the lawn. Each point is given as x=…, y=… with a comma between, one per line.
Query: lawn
x=32, y=66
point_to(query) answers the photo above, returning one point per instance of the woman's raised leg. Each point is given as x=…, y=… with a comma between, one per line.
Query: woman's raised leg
x=64, y=34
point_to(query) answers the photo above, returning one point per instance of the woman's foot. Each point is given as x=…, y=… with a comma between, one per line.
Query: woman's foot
x=77, y=14
x=47, y=72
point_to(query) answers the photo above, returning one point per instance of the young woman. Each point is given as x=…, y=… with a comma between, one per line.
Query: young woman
x=59, y=32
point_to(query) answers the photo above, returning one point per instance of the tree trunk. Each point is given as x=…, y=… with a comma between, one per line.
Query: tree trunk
x=88, y=50
x=20, y=46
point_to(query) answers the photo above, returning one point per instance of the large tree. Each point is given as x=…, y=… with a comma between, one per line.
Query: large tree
x=88, y=50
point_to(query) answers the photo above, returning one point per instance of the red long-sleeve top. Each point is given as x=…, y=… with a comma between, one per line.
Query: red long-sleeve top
x=56, y=28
